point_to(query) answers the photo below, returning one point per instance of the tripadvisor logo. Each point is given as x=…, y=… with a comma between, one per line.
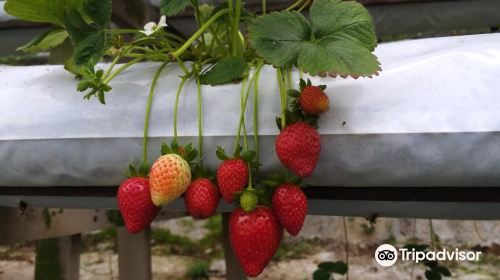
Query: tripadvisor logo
x=387, y=255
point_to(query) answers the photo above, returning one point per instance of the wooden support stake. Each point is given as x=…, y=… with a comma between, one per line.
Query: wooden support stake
x=233, y=268
x=134, y=255
x=58, y=258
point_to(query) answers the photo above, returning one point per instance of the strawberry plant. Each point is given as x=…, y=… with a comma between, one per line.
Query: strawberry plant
x=231, y=45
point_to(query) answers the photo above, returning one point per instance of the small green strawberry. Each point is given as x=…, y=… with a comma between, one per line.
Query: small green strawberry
x=249, y=200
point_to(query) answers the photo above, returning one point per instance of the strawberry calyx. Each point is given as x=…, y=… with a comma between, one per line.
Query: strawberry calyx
x=247, y=156
x=199, y=171
x=188, y=153
x=141, y=171
x=278, y=179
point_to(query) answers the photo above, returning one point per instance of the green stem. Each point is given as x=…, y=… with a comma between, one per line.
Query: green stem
x=121, y=68
x=256, y=110
x=236, y=27
x=199, y=32
x=306, y=3
x=176, y=105
x=242, y=114
x=198, y=18
x=264, y=6
x=148, y=112
x=294, y=5
x=282, y=92
x=183, y=67
x=121, y=30
x=200, y=121
x=115, y=60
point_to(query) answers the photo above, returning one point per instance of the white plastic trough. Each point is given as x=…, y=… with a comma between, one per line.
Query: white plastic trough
x=430, y=119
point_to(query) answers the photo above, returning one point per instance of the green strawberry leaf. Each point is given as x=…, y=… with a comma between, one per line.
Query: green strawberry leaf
x=89, y=41
x=279, y=37
x=339, y=39
x=52, y=11
x=224, y=71
x=45, y=41
x=98, y=11
x=172, y=7
x=336, y=57
x=343, y=21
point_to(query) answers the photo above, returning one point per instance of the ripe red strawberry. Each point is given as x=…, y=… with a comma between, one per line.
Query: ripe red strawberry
x=255, y=237
x=290, y=206
x=232, y=177
x=134, y=201
x=313, y=100
x=201, y=198
x=298, y=147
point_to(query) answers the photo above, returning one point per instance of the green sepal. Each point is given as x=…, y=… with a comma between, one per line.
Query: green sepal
x=141, y=171
x=188, y=153
x=200, y=172
x=221, y=153
x=144, y=169
x=237, y=152
x=302, y=84
x=248, y=156
x=293, y=93
x=165, y=149
x=278, y=123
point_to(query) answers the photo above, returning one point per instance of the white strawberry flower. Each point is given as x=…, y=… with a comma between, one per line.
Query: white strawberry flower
x=152, y=27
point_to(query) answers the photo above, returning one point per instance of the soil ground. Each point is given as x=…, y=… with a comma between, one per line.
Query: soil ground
x=183, y=248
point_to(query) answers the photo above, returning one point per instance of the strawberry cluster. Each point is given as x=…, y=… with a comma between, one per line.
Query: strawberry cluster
x=263, y=210
x=256, y=227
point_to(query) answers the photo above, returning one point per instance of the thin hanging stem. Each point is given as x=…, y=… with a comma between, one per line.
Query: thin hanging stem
x=176, y=105
x=291, y=7
x=121, y=68
x=200, y=121
x=236, y=27
x=346, y=241
x=242, y=114
x=282, y=92
x=199, y=32
x=256, y=110
x=306, y=3
x=148, y=112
